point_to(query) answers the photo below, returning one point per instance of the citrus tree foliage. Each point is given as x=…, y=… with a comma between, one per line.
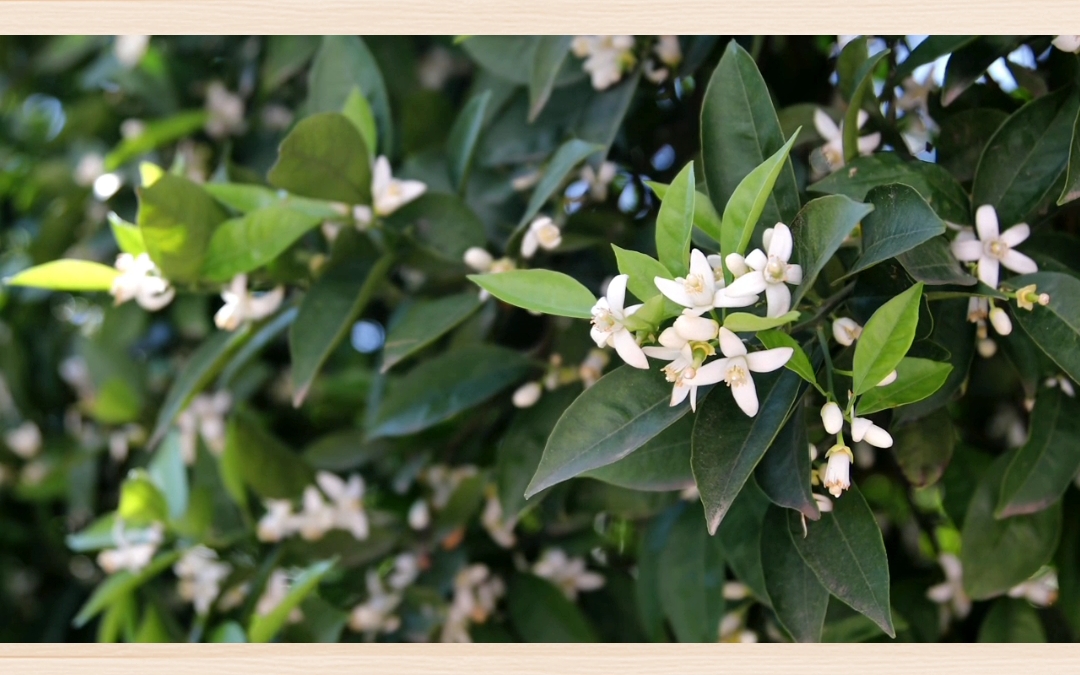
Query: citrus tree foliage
x=550, y=338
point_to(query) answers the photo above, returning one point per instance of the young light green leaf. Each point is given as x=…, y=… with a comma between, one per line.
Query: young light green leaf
x=551, y=53
x=885, y=339
x=448, y=384
x=358, y=111
x=727, y=444
x=706, y=218
x=324, y=157
x=797, y=597
x=818, y=232
x=156, y=134
x=424, y=322
x=784, y=472
x=240, y=245
x=692, y=579
x=675, y=222
x=264, y=627
x=539, y=290
x=66, y=275
x=846, y=552
x=1071, y=190
x=641, y=270
x=620, y=413
x=900, y=221
x=1043, y=468
x=863, y=79
x=916, y=379
x=799, y=362
x=141, y=503
x=1055, y=327
x=343, y=63
x=742, y=322
x=128, y=237
x=464, y=137
x=177, y=218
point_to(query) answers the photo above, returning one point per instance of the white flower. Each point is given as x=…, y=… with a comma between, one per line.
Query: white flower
x=771, y=273
x=568, y=574
x=278, y=522
x=733, y=629
x=700, y=290
x=1041, y=590
x=241, y=306
x=129, y=555
x=389, y=193
x=846, y=331
x=599, y=180
x=951, y=591
x=889, y=379
x=832, y=417
x=444, y=481
x=346, y=508
x=130, y=49
x=201, y=574
x=668, y=50
x=316, y=517
x=476, y=593
x=1000, y=321
x=678, y=345
x=833, y=150
x=862, y=428
x=1064, y=383
x=24, y=440
x=592, y=368
x=406, y=569
x=226, y=112
x=500, y=529
x=838, y=470
x=608, y=315
x=992, y=249
x=139, y=279
x=1067, y=43
x=419, y=515
x=606, y=56
x=543, y=233
x=277, y=587
x=734, y=370
x=376, y=614
x=204, y=416
x=916, y=94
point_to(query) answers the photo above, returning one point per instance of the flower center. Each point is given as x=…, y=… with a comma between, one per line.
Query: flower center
x=736, y=375
x=996, y=248
x=694, y=284
x=834, y=157
x=604, y=321
x=774, y=271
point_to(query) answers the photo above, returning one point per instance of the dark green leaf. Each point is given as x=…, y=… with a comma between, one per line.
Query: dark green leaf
x=324, y=157
x=342, y=64
x=784, y=471
x=256, y=458
x=1071, y=190
x=916, y=379
x=740, y=533
x=818, y=231
x=120, y=584
x=692, y=579
x=569, y=155
x=885, y=339
x=924, y=448
x=243, y=244
x=1011, y=620
x=969, y=62
x=931, y=262
x=661, y=464
x=508, y=56
x=901, y=220
x=675, y=222
x=647, y=589
x=424, y=322
x=797, y=597
x=541, y=613
x=1055, y=327
x=551, y=53
x=169, y=474
x=539, y=290
x=961, y=141
x=862, y=81
x=929, y=50
x=441, y=223
x=177, y=219
x=953, y=333
x=342, y=451
x=464, y=136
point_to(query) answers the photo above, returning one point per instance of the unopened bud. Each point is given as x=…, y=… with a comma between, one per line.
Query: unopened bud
x=1000, y=321
x=832, y=417
x=478, y=259
x=527, y=395
x=419, y=515
x=846, y=331
x=987, y=347
x=863, y=429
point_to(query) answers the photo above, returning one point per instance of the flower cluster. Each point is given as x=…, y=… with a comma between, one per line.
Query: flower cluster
x=343, y=511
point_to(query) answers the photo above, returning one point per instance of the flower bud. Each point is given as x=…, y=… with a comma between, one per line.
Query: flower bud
x=889, y=379
x=864, y=429
x=846, y=331
x=419, y=515
x=813, y=452
x=986, y=347
x=1000, y=321
x=736, y=264
x=832, y=417
x=363, y=216
x=478, y=259
x=696, y=328
x=824, y=504
x=527, y=395
x=838, y=471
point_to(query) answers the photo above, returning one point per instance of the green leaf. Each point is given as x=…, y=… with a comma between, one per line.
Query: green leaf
x=1071, y=190
x=128, y=237
x=900, y=221
x=916, y=379
x=120, y=584
x=358, y=111
x=932, y=262
x=200, y=369
x=799, y=362
x=342, y=64
x=464, y=137
x=940, y=190
x=846, y=552
x=541, y=613
x=342, y=451
x=169, y=474
x=924, y=448
x=620, y=413
x=448, y=384
x=522, y=446
x=662, y=464
x=156, y=134
x=1011, y=620
x=999, y=554
x=324, y=157
x=330, y=308
x=929, y=50
x=961, y=141
x=569, y=155
x=969, y=63
x=256, y=458
x=539, y=290
x=862, y=80
x=177, y=219
x=1023, y=162
x=243, y=244
x=953, y=333
x=141, y=503
x=727, y=444
x=818, y=231
x=675, y=222
x=784, y=472
x=264, y=627
x=1043, y=468
x=642, y=270
x=1055, y=327
x=441, y=224
x=551, y=53
x=424, y=322
x=245, y=198
x=692, y=579
x=647, y=587
x=740, y=533
x=67, y=275
x=797, y=597
x=228, y=632
x=1067, y=562
x=739, y=130
x=706, y=218
x=742, y=322
x=508, y=56
x=748, y=201
x=885, y=339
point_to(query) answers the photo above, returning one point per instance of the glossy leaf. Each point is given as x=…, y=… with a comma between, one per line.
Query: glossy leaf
x=177, y=219
x=953, y=333
x=692, y=579
x=541, y=613
x=799, y=362
x=845, y=550
x=66, y=275
x=551, y=52
x=742, y=322
x=929, y=50
x=1043, y=468
x=652, y=543
x=797, y=597
x=901, y=220
x=620, y=413
x=1011, y=620
x=440, y=223
x=342, y=451
x=243, y=244
x=464, y=137
x=448, y=384
x=740, y=534
x=727, y=444
x=862, y=82
x=641, y=269
x=425, y=322
x=662, y=464
x=263, y=627
x=818, y=230
x=885, y=339
x=784, y=472
x=675, y=222
x=1071, y=190
x=539, y=290
x=706, y=218
x=969, y=63
x=569, y=155
x=343, y=63
x=324, y=157
x=924, y=448
x=1055, y=328
x=932, y=262
x=916, y=379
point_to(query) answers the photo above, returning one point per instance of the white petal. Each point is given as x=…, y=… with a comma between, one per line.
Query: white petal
x=878, y=437
x=1016, y=234
x=793, y=275
x=769, y=360
x=715, y=261
x=780, y=244
x=699, y=264
x=736, y=264
x=832, y=417
x=529, y=243
x=722, y=299
x=710, y=373
x=678, y=394
x=629, y=350
x=756, y=259
x=868, y=143
x=825, y=126
x=986, y=222
x=967, y=250
x=380, y=178
x=779, y=298
x=671, y=338
x=616, y=292
x=862, y=118
x=730, y=344
x=859, y=427
x=751, y=283
x=599, y=337
x=693, y=399
x=696, y=328
x=1020, y=263
x=746, y=396
x=262, y=306
x=662, y=353
x=674, y=291
x=989, y=271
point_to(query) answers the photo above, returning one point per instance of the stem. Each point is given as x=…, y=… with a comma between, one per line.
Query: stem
x=828, y=362
x=825, y=308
